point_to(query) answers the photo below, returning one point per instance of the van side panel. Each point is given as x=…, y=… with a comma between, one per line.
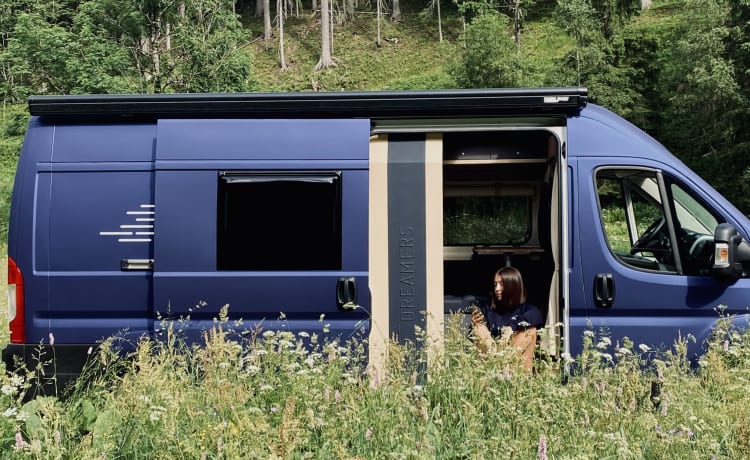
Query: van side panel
x=94, y=210
x=654, y=307
x=86, y=227
x=193, y=158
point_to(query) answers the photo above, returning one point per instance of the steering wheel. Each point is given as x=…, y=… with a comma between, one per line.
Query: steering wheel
x=652, y=239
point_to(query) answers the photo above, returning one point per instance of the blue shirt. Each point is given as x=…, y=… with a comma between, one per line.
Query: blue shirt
x=518, y=319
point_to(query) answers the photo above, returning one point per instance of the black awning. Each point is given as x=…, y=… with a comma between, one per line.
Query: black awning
x=345, y=104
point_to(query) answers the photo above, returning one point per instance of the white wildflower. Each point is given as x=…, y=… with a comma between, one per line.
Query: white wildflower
x=268, y=334
x=303, y=334
x=8, y=390
x=265, y=387
x=623, y=351
x=588, y=333
x=644, y=348
x=10, y=412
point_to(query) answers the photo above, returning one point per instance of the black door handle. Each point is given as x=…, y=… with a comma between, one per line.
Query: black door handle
x=604, y=290
x=346, y=293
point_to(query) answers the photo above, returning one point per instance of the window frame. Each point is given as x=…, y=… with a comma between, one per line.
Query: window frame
x=224, y=236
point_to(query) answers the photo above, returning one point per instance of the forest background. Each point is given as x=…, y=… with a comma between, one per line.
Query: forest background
x=679, y=69
x=676, y=68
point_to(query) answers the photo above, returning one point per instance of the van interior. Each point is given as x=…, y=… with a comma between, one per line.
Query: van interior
x=500, y=209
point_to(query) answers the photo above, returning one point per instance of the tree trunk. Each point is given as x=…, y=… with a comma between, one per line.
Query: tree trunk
x=326, y=60
x=379, y=8
x=517, y=22
x=396, y=13
x=331, y=9
x=440, y=22
x=280, y=14
x=266, y=21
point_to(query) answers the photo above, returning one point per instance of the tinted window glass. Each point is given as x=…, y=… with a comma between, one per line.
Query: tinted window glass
x=633, y=219
x=486, y=220
x=279, y=221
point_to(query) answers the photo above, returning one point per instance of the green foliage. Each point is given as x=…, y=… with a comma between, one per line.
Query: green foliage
x=268, y=396
x=491, y=58
x=702, y=102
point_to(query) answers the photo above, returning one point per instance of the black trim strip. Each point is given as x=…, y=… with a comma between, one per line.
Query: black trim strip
x=407, y=236
x=356, y=104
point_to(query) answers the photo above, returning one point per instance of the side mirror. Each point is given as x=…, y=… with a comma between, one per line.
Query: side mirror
x=731, y=253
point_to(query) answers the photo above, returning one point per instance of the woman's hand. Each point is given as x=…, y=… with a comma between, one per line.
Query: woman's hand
x=477, y=318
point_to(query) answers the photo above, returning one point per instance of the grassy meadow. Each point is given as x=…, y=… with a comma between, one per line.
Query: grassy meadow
x=271, y=397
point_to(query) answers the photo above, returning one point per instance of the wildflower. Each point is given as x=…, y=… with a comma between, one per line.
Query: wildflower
x=588, y=333
x=51, y=339
x=605, y=356
x=8, y=390
x=368, y=433
x=265, y=387
x=20, y=443
x=303, y=334
x=337, y=396
x=268, y=334
x=644, y=348
x=90, y=350
x=327, y=394
x=274, y=409
x=542, y=449
x=10, y=412
x=604, y=342
x=623, y=351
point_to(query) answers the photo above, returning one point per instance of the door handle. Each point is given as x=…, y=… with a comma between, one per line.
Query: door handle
x=604, y=290
x=136, y=264
x=346, y=293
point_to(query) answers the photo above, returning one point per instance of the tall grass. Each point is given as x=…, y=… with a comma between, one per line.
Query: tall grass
x=272, y=397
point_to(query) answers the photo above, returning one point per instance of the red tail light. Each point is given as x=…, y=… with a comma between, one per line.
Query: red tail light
x=16, y=315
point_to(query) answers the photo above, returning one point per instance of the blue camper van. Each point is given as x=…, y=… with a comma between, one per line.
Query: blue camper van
x=380, y=210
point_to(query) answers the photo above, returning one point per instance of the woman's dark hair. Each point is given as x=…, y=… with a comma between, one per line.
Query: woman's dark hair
x=514, y=292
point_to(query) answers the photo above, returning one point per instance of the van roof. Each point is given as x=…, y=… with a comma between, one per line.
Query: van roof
x=354, y=104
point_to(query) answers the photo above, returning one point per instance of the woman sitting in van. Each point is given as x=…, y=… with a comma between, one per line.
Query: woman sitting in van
x=508, y=318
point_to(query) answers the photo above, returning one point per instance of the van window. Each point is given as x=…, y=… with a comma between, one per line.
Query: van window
x=279, y=221
x=481, y=216
x=637, y=233
x=633, y=218
x=695, y=231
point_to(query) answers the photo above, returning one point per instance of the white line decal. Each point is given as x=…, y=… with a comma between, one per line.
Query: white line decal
x=139, y=232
